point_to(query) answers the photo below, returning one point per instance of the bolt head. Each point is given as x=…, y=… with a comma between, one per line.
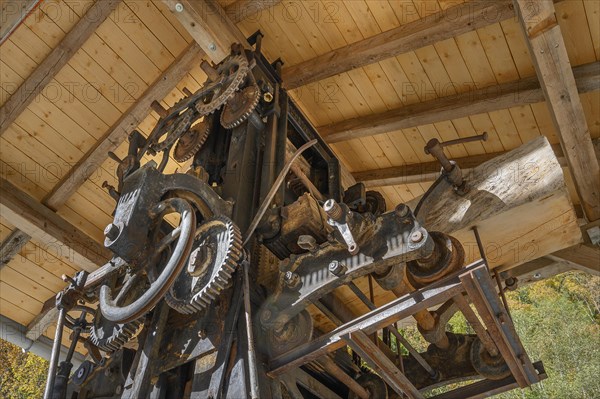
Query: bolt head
x=333, y=265
x=212, y=47
x=111, y=232
x=179, y=7
x=416, y=236
x=402, y=210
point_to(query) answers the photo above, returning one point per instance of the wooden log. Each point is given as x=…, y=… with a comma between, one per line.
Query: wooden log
x=53, y=63
x=549, y=55
x=518, y=201
x=43, y=224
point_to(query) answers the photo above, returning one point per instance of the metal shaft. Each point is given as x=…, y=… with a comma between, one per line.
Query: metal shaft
x=252, y=368
x=335, y=370
x=394, y=331
x=55, y=353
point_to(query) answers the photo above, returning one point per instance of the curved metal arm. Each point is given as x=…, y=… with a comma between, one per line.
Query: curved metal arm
x=122, y=314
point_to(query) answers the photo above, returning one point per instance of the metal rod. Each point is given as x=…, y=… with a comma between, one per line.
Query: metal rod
x=335, y=370
x=480, y=330
x=252, y=369
x=265, y=205
x=55, y=353
x=394, y=331
x=496, y=275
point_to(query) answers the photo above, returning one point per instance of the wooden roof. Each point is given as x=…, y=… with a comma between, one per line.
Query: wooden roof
x=141, y=52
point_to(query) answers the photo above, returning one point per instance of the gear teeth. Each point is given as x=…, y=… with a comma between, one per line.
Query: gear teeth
x=120, y=334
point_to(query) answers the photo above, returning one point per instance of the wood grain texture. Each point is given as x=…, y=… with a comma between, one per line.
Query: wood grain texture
x=119, y=131
x=493, y=98
x=208, y=23
x=243, y=9
x=519, y=203
x=53, y=63
x=437, y=27
x=584, y=257
x=41, y=223
x=551, y=60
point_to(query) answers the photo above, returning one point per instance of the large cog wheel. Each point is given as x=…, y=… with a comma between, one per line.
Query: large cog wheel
x=192, y=140
x=110, y=336
x=217, y=250
x=239, y=107
x=237, y=68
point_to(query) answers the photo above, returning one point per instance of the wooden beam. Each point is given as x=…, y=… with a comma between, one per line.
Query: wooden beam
x=12, y=14
x=119, y=131
x=12, y=245
x=429, y=171
x=549, y=55
x=41, y=223
x=242, y=9
x=583, y=257
x=208, y=24
x=443, y=25
x=493, y=98
x=53, y=63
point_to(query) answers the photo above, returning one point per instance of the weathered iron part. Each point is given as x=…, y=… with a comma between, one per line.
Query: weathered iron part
x=383, y=242
x=216, y=253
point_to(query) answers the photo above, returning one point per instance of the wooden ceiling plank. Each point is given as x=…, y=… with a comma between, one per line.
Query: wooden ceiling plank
x=549, y=54
x=14, y=13
x=506, y=95
x=53, y=63
x=243, y=9
x=405, y=38
x=41, y=223
x=119, y=131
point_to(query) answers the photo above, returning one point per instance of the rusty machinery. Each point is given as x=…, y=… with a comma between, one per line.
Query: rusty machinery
x=214, y=270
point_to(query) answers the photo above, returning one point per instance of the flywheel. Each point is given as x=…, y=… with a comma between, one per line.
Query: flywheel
x=216, y=252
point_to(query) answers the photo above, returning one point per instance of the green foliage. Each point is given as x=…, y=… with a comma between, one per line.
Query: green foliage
x=22, y=375
x=558, y=321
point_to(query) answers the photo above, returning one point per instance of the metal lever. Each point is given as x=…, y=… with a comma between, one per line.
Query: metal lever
x=450, y=169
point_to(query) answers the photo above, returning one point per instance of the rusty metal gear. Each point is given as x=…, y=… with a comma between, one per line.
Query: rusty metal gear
x=192, y=140
x=239, y=107
x=234, y=70
x=179, y=126
x=217, y=250
x=110, y=336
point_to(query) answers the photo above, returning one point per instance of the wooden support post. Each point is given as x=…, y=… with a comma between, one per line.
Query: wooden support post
x=54, y=62
x=549, y=55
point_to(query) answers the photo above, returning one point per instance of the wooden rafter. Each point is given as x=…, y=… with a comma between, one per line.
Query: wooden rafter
x=43, y=224
x=53, y=63
x=12, y=245
x=443, y=25
x=117, y=133
x=208, y=23
x=583, y=257
x=549, y=55
x=493, y=98
x=428, y=171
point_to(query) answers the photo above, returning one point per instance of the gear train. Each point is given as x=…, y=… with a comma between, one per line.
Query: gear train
x=243, y=276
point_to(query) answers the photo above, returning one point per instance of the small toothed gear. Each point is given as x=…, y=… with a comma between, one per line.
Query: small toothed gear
x=216, y=253
x=239, y=107
x=179, y=127
x=110, y=336
x=192, y=140
x=237, y=67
